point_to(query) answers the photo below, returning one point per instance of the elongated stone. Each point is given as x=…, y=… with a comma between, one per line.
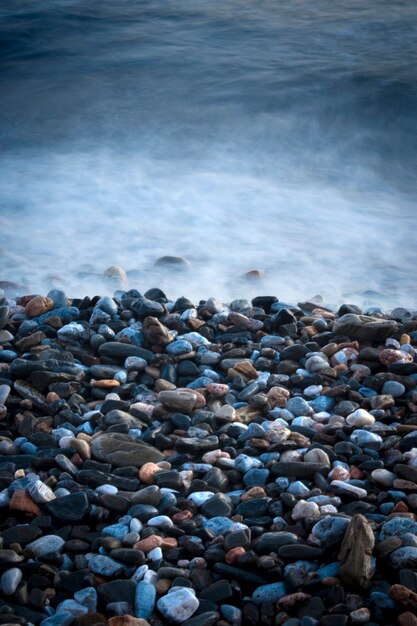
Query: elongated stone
x=355, y=552
x=145, y=598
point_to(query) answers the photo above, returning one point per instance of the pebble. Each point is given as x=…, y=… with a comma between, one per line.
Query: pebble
x=178, y=605
x=46, y=544
x=10, y=580
x=360, y=418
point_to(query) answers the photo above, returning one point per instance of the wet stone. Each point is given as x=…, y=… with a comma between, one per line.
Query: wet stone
x=71, y=508
x=123, y=450
x=178, y=606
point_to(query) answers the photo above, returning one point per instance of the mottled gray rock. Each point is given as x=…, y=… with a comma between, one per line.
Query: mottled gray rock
x=122, y=450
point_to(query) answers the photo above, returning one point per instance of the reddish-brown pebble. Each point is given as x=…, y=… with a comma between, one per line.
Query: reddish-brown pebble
x=234, y=554
x=407, y=619
x=38, y=306
x=287, y=602
x=177, y=518
x=253, y=492
x=21, y=501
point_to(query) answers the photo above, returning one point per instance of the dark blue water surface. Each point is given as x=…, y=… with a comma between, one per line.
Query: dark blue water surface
x=277, y=135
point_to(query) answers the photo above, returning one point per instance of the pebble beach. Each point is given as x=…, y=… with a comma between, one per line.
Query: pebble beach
x=206, y=463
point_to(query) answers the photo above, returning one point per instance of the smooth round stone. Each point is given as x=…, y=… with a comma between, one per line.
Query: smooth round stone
x=135, y=364
x=46, y=544
x=7, y=356
x=182, y=401
x=269, y=594
x=393, y=388
x=360, y=418
x=199, y=497
x=382, y=600
x=104, y=565
x=128, y=556
x=108, y=305
x=316, y=455
x=329, y=530
x=316, y=363
x=298, y=406
x=10, y=580
x=179, y=347
x=313, y=390
x=304, y=509
x=365, y=439
x=383, y=476
x=160, y=521
x=273, y=541
x=5, y=337
x=178, y=605
x=109, y=489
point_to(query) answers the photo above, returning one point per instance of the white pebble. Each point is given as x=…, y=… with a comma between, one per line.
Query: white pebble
x=360, y=418
x=361, y=493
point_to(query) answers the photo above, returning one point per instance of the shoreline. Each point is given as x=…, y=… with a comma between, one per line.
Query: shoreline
x=168, y=462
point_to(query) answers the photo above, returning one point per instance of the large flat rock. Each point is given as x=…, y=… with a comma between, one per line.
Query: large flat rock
x=364, y=327
x=122, y=450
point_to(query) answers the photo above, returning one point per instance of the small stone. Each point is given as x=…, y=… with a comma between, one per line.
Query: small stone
x=383, y=476
x=316, y=455
x=87, y=597
x=178, y=605
x=360, y=418
x=181, y=401
x=10, y=580
x=389, y=356
x=393, y=388
x=38, y=306
x=71, y=508
x=21, y=501
x=407, y=619
x=304, y=510
x=347, y=487
x=269, y=594
x=404, y=596
x=46, y=544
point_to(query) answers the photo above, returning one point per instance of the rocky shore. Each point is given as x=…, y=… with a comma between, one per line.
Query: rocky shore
x=168, y=462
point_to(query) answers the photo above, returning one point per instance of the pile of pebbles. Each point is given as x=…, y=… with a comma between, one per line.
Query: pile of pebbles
x=170, y=463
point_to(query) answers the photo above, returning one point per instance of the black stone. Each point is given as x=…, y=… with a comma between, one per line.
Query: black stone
x=71, y=508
